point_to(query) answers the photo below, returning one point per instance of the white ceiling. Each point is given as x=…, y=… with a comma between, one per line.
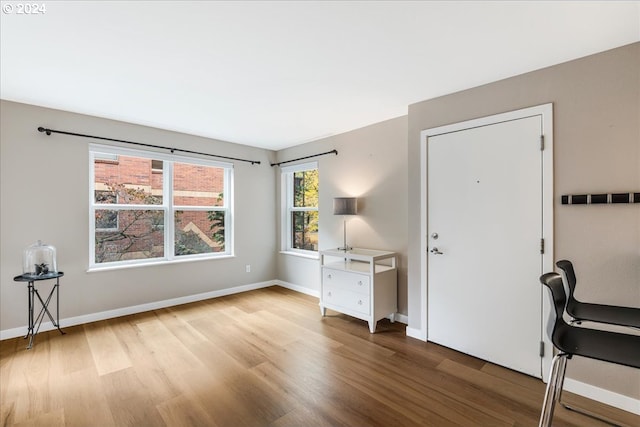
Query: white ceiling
x=278, y=74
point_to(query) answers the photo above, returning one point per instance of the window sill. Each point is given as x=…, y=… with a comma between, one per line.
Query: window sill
x=96, y=269
x=301, y=255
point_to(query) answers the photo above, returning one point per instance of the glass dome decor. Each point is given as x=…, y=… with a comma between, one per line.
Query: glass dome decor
x=39, y=259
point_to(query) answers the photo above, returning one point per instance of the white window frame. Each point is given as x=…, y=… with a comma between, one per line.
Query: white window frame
x=286, y=186
x=167, y=206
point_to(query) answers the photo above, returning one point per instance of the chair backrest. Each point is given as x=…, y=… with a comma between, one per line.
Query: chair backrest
x=556, y=326
x=570, y=282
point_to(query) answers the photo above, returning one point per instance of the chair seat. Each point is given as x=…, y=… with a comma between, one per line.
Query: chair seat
x=621, y=316
x=613, y=347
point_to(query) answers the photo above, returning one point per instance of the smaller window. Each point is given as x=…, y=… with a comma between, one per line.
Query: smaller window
x=300, y=208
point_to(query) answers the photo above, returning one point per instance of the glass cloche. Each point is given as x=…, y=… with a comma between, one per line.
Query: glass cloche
x=39, y=259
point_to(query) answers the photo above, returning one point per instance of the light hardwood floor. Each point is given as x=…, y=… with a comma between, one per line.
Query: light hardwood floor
x=261, y=358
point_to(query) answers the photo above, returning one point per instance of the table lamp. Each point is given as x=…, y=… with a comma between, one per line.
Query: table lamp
x=345, y=206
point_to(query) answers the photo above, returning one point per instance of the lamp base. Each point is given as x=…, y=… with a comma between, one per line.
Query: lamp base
x=345, y=247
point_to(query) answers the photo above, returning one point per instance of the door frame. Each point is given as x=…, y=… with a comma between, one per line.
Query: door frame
x=546, y=113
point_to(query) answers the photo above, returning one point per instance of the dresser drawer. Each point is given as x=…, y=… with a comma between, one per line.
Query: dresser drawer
x=354, y=301
x=345, y=280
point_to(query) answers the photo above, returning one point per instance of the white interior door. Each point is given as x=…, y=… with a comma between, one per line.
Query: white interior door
x=484, y=235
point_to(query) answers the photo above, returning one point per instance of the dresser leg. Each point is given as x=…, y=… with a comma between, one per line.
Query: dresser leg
x=392, y=317
x=323, y=311
x=372, y=326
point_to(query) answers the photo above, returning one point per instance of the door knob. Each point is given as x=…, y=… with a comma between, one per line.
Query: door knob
x=436, y=251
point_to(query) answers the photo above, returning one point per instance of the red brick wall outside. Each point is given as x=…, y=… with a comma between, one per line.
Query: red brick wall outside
x=132, y=172
x=197, y=178
x=156, y=180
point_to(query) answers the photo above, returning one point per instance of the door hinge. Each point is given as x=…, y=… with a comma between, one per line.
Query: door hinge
x=541, y=348
x=542, y=246
x=541, y=142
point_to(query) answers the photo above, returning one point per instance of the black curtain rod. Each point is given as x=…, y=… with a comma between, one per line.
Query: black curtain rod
x=307, y=157
x=50, y=131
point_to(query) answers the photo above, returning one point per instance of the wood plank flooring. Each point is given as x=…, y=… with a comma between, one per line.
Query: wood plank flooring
x=261, y=358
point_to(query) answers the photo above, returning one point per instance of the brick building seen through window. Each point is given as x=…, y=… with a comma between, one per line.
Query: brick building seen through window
x=124, y=233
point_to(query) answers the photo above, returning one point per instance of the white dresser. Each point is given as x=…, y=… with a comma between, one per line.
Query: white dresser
x=361, y=283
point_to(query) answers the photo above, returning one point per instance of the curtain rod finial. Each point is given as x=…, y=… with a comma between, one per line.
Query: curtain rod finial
x=47, y=131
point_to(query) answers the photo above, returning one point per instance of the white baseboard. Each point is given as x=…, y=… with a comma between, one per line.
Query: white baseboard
x=297, y=288
x=418, y=334
x=402, y=318
x=110, y=314
x=607, y=397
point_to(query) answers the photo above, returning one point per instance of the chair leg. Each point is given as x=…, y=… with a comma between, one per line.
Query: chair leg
x=575, y=408
x=560, y=377
x=588, y=413
x=553, y=395
x=554, y=386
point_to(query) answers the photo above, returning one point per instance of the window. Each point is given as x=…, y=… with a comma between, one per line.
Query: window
x=300, y=208
x=151, y=207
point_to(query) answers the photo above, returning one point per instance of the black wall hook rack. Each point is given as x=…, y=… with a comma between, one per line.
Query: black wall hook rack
x=600, y=199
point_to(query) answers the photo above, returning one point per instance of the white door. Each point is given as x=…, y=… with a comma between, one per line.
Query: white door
x=484, y=237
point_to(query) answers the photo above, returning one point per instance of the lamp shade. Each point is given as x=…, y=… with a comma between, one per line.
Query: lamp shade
x=345, y=206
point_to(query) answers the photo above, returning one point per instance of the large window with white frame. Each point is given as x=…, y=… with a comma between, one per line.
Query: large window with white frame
x=300, y=208
x=148, y=207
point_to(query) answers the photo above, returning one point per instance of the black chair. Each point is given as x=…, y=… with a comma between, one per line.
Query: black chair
x=582, y=311
x=622, y=349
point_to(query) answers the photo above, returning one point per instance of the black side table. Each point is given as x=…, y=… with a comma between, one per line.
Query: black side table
x=33, y=292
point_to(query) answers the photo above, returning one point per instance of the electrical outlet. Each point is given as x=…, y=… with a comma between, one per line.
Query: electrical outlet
x=247, y=268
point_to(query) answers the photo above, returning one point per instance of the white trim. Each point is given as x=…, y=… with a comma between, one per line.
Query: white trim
x=401, y=318
x=302, y=254
x=182, y=259
x=602, y=395
x=298, y=288
x=420, y=334
x=124, y=311
x=546, y=113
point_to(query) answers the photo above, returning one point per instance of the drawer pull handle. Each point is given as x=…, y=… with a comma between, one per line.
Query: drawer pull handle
x=329, y=293
x=359, y=282
x=359, y=302
x=328, y=276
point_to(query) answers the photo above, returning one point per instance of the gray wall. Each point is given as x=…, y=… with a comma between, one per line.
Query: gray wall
x=596, y=103
x=44, y=191
x=370, y=165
